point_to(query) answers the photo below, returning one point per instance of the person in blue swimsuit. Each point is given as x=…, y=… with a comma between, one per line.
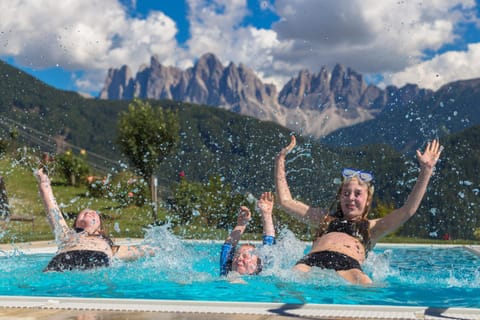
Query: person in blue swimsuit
x=345, y=235
x=85, y=246
x=243, y=259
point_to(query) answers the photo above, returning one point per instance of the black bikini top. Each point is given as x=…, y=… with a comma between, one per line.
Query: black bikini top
x=356, y=229
x=107, y=239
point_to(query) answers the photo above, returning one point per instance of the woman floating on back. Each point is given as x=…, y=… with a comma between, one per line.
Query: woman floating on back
x=85, y=246
x=346, y=235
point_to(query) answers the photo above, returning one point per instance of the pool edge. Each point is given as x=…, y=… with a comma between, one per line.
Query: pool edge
x=473, y=249
x=193, y=309
x=188, y=307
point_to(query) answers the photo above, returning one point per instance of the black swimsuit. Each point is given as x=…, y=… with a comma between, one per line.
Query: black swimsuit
x=78, y=260
x=356, y=229
x=330, y=260
x=336, y=260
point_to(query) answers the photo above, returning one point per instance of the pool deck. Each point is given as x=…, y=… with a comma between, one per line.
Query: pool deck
x=36, y=308
x=75, y=308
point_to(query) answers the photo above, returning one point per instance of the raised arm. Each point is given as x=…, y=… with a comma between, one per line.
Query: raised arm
x=296, y=208
x=54, y=215
x=244, y=216
x=228, y=248
x=427, y=161
x=265, y=205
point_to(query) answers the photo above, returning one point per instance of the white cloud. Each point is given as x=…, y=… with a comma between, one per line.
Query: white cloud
x=87, y=35
x=217, y=28
x=373, y=37
x=368, y=35
x=444, y=68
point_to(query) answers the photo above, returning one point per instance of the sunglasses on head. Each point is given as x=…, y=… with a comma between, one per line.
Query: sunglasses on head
x=348, y=173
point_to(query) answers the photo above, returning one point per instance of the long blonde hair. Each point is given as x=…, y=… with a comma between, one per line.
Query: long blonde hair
x=337, y=213
x=336, y=203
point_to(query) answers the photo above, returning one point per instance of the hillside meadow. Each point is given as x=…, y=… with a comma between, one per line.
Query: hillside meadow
x=121, y=221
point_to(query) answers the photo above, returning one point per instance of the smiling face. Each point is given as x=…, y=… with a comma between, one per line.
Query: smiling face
x=353, y=199
x=245, y=262
x=89, y=220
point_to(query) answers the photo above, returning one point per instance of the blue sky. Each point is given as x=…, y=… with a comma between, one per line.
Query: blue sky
x=72, y=44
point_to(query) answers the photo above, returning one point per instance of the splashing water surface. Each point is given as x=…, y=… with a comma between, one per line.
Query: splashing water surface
x=184, y=270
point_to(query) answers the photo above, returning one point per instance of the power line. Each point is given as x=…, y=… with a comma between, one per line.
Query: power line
x=36, y=138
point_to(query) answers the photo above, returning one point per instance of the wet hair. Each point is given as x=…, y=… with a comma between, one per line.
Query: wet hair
x=101, y=231
x=259, y=267
x=370, y=189
x=337, y=214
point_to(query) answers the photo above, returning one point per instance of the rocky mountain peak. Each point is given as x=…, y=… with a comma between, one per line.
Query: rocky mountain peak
x=116, y=83
x=312, y=103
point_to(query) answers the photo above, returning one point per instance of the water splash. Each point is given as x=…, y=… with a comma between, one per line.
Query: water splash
x=173, y=259
x=283, y=255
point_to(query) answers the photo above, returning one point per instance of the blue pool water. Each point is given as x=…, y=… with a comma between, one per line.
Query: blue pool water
x=407, y=276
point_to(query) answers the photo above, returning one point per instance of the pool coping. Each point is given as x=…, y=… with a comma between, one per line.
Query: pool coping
x=238, y=308
x=192, y=308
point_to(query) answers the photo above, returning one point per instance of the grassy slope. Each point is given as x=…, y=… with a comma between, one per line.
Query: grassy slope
x=24, y=200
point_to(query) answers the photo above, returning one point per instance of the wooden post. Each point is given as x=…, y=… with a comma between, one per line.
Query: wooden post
x=4, y=206
x=5, y=214
x=153, y=186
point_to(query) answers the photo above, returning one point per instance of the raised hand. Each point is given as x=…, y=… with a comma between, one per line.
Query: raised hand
x=41, y=176
x=429, y=158
x=265, y=203
x=244, y=216
x=287, y=149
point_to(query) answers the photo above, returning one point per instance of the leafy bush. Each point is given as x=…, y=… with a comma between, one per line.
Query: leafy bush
x=476, y=233
x=98, y=187
x=212, y=204
x=125, y=188
x=75, y=169
x=134, y=191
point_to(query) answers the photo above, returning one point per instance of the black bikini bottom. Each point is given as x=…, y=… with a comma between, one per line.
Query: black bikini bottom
x=78, y=260
x=330, y=260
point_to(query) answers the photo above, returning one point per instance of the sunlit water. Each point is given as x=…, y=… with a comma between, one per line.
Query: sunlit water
x=184, y=270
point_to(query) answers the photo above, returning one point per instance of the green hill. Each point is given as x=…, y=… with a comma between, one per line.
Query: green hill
x=241, y=150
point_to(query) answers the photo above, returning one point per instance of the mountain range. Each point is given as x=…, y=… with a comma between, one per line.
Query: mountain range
x=319, y=104
x=311, y=104
x=240, y=149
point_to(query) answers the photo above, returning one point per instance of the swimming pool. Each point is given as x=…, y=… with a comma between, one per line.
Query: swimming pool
x=184, y=270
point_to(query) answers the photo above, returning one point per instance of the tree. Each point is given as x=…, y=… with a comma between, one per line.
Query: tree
x=75, y=169
x=146, y=135
x=13, y=139
x=212, y=204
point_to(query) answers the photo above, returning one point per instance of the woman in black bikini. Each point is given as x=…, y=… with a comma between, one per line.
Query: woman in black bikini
x=85, y=246
x=346, y=235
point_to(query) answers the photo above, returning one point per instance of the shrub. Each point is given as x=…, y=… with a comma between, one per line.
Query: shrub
x=125, y=188
x=75, y=169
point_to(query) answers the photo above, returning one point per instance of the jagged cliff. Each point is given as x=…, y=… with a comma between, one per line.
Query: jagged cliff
x=310, y=103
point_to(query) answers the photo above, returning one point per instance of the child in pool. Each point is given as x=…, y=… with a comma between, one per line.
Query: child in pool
x=243, y=259
x=85, y=246
x=346, y=235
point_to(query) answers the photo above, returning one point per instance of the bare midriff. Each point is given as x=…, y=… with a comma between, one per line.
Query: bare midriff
x=342, y=243
x=85, y=242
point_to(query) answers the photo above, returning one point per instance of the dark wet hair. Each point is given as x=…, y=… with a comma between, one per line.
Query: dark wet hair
x=102, y=232
x=259, y=266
